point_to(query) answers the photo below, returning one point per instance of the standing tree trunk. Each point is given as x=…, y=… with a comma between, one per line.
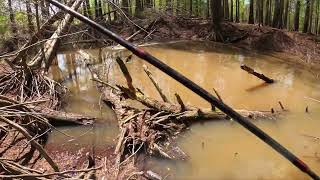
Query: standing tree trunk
x=216, y=12
x=226, y=10
x=317, y=18
x=267, y=17
x=208, y=8
x=261, y=12
x=277, y=14
x=14, y=29
x=297, y=16
x=237, y=11
x=311, y=17
x=190, y=7
x=88, y=9
x=125, y=6
x=306, y=17
x=84, y=9
x=280, y=21
x=257, y=3
x=231, y=10
x=29, y=17
x=251, y=18
x=36, y=6
x=96, y=9
x=286, y=12
x=138, y=12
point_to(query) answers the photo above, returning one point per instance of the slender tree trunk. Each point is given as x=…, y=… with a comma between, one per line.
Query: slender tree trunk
x=14, y=29
x=36, y=6
x=261, y=12
x=197, y=8
x=216, y=12
x=317, y=18
x=100, y=8
x=190, y=7
x=231, y=10
x=88, y=9
x=285, y=17
x=311, y=17
x=280, y=22
x=125, y=5
x=29, y=17
x=251, y=18
x=266, y=20
x=138, y=12
x=109, y=14
x=306, y=17
x=148, y=4
x=257, y=3
x=237, y=11
x=84, y=9
x=208, y=8
x=277, y=14
x=297, y=16
x=97, y=8
x=115, y=17
x=226, y=10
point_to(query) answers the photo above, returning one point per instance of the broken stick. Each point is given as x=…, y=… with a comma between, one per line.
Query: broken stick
x=258, y=75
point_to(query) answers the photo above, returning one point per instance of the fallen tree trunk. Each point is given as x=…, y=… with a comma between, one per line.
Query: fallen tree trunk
x=159, y=122
x=39, y=34
x=50, y=45
x=258, y=75
x=64, y=118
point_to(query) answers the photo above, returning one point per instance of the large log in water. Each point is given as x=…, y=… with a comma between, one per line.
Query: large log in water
x=51, y=45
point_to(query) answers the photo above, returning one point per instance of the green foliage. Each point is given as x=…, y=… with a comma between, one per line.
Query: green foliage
x=3, y=24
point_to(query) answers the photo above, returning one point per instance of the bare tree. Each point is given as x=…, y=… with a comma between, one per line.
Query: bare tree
x=237, y=11
x=306, y=17
x=14, y=29
x=297, y=16
x=231, y=10
x=251, y=16
x=216, y=11
x=286, y=12
x=29, y=17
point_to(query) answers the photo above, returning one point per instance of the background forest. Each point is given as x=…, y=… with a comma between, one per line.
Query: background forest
x=19, y=16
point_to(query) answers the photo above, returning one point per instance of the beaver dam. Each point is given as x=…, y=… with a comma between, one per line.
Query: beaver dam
x=205, y=148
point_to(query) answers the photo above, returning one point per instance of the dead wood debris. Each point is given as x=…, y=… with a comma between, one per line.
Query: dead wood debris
x=153, y=129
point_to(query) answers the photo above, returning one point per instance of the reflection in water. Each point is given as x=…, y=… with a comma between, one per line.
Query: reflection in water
x=217, y=150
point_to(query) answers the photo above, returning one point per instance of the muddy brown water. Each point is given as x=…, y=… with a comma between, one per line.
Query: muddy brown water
x=217, y=150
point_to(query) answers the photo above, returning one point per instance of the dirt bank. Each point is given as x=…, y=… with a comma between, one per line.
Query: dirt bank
x=304, y=49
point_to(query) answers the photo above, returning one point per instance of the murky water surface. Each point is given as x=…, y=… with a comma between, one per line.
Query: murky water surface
x=217, y=150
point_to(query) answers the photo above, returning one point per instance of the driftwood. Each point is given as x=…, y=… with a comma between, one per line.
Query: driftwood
x=258, y=75
x=154, y=126
x=64, y=118
x=51, y=45
x=39, y=34
x=154, y=82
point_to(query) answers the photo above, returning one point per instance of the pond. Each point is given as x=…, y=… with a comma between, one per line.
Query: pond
x=216, y=150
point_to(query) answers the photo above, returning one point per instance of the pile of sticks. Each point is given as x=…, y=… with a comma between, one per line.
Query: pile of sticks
x=152, y=130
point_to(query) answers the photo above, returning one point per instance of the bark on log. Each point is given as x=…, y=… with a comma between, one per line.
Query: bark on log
x=154, y=82
x=50, y=45
x=64, y=118
x=258, y=75
x=39, y=34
